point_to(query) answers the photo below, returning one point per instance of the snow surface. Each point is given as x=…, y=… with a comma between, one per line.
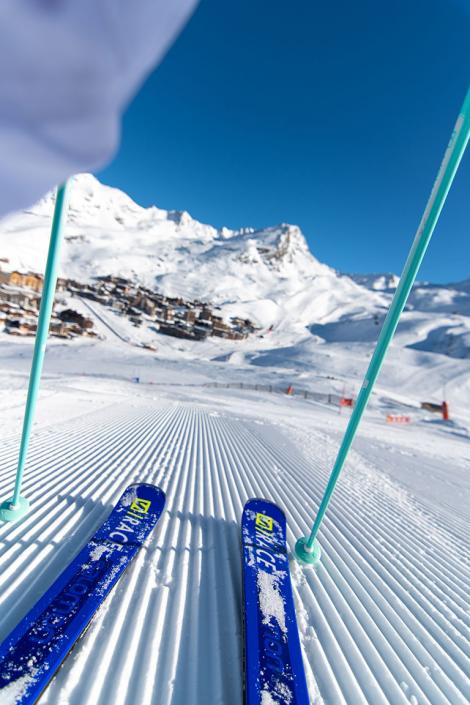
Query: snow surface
x=384, y=620
x=271, y=601
x=12, y=693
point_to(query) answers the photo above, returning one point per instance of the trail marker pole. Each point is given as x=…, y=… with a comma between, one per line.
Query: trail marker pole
x=14, y=508
x=307, y=550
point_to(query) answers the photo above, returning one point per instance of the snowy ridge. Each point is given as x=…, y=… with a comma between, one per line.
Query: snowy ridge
x=387, y=281
x=383, y=621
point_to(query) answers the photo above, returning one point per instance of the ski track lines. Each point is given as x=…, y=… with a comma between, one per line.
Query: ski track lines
x=383, y=621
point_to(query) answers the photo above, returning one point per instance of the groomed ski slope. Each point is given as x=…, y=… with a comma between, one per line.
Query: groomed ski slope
x=384, y=621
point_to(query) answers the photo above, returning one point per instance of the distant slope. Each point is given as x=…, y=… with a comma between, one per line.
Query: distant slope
x=446, y=330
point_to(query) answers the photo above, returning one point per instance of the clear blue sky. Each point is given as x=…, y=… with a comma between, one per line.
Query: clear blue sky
x=331, y=115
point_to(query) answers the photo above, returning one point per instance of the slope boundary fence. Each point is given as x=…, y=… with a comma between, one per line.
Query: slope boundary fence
x=322, y=397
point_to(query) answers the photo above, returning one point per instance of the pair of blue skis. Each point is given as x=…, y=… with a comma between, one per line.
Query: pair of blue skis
x=31, y=655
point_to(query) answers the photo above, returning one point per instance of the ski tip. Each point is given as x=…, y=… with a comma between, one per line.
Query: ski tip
x=263, y=518
x=265, y=506
x=146, y=486
x=145, y=494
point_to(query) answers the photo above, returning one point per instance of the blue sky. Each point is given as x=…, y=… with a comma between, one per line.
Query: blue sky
x=334, y=116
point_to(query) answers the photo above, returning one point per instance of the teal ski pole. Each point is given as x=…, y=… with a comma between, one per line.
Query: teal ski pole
x=14, y=508
x=307, y=550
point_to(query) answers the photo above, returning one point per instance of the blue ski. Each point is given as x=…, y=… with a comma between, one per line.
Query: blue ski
x=274, y=672
x=32, y=653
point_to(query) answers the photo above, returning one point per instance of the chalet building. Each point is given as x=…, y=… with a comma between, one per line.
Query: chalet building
x=201, y=332
x=237, y=335
x=31, y=312
x=134, y=299
x=60, y=329
x=21, y=326
x=18, y=296
x=96, y=297
x=113, y=279
x=120, y=305
x=239, y=322
x=75, y=287
x=176, y=301
x=177, y=331
x=147, y=306
x=206, y=314
x=220, y=328
x=28, y=280
x=168, y=313
x=190, y=315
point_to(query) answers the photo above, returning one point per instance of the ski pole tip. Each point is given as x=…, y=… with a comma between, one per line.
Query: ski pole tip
x=13, y=511
x=306, y=555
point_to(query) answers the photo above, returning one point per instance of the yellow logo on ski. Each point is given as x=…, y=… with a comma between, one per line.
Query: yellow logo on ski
x=141, y=505
x=264, y=522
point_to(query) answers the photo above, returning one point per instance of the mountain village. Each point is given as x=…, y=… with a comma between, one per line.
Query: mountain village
x=20, y=295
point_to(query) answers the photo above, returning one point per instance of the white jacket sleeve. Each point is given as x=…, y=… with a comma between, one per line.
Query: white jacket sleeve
x=68, y=68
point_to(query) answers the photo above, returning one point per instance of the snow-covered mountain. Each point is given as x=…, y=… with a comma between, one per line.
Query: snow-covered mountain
x=268, y=275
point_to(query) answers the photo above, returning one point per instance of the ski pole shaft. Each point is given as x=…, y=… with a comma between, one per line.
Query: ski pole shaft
x=447, y=171
x=45, y=312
